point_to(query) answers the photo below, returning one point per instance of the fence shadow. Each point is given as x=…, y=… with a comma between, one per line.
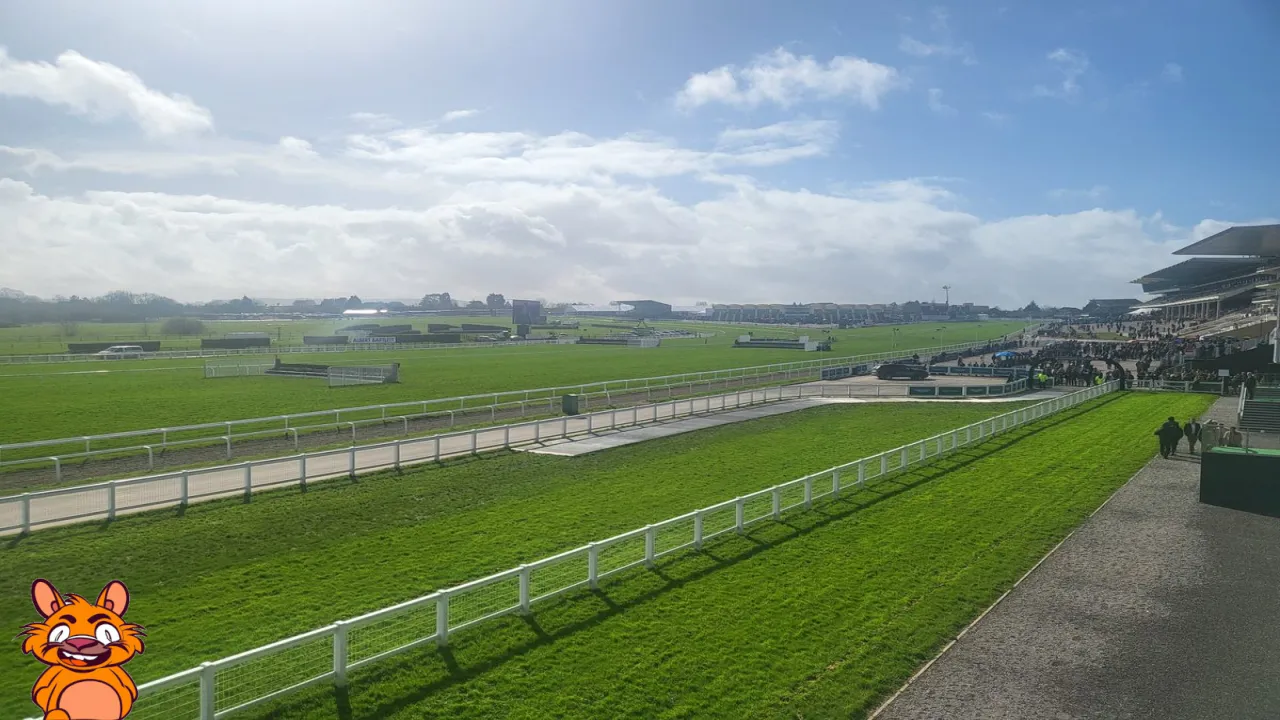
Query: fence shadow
x=793, y=526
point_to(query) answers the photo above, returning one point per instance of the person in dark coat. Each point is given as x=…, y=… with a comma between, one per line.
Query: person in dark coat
x=1191, y=431
x=1169, y=434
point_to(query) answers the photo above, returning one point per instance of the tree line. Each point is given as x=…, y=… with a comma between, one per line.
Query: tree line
x=121, y=307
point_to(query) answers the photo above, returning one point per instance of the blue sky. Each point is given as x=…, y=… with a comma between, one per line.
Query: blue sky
x=723, y=151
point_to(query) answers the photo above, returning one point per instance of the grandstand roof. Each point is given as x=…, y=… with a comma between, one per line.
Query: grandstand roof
x=1198, y=271
x=1256, y=240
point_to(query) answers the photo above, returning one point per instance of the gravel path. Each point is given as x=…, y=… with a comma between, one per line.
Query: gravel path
x=1157, y=607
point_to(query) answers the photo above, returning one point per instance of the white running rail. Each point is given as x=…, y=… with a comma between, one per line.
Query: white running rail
x=326, y=655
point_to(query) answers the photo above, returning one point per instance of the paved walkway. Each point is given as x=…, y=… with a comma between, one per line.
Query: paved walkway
x=572, y=447
x=1157, y=607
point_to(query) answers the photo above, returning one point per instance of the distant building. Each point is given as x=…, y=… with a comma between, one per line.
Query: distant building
x=1236, y=270
x=1110, y=308
x=647, y=309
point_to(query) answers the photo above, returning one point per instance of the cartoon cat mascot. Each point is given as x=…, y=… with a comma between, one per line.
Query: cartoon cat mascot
x=84, y=644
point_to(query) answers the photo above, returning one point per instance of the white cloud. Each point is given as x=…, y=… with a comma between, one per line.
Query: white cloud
x=565, y=216
x=566, y=240
x=784, y=79
x=1071, y=64
x=457, y=115
x=1172, y=73
x=998, y=118
x=296, y=147
x=375, y=121
x=936, y=104
x=919, y=48
x=1094, y=193
x=102, y=92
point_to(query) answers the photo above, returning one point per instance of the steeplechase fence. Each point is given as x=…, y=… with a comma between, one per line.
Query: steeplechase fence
x=223, y=687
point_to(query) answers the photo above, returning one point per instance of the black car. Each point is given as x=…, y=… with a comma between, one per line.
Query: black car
x=899, y=371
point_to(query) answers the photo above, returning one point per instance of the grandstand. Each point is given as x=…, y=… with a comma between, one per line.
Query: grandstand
x=1239, y=263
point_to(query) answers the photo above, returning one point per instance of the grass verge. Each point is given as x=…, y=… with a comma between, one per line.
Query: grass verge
x=818, y=616
x=211, y=583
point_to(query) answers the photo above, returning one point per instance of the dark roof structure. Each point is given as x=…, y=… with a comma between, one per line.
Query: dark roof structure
x=1111, y=306
x=1254, y=240
x=1199, y=271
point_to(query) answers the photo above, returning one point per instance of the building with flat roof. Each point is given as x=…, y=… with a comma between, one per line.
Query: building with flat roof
x=1233, y=272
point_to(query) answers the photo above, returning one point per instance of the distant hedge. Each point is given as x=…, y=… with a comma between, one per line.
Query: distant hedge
x=86, y=348
x=468, y=327
x=325, y=339
x=182, y=326
x=233, y=343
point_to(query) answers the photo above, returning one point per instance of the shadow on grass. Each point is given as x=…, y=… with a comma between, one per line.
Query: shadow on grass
x=825, y=512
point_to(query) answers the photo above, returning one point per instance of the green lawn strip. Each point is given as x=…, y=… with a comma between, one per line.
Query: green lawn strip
x=55, y=406
x=820, y=616
x=33, y=484
x=211, y=583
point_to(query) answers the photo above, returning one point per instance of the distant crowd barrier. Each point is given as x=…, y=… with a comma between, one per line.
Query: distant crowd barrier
x=327, y=655
x=1008, y=388
x=106, y=500
x=227, y=432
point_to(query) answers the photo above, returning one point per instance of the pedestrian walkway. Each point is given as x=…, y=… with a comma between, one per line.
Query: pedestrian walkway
x=1156, y=607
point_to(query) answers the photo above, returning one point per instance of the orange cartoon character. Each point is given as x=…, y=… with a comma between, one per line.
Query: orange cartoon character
x=84, y=644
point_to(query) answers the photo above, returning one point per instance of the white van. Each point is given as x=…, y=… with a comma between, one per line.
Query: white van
x=121, y=352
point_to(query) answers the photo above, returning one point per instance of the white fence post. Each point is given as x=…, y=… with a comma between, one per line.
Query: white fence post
x=524, y=589
x=862, y=472
x=442, y=620
x=208, y=676
x=397, y=456
x=340, y=654
x=351, y=463
x=248, y=481
x=777, y=503
x=808, y=493
x=111, y=500
x=739, y=510
x=649, y=541
x=835, y=483
x=26, y=513
x=697, y=530
x=593, y=563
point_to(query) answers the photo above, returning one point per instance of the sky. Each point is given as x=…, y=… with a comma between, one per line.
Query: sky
x=578, y=150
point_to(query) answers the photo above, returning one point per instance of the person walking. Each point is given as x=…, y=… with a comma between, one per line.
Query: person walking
x=1192, y=432
x=1250, y=384
x=1168, y=433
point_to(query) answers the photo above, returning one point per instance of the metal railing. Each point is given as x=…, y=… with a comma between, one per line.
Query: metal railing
x=1214, y=435
x=220, y=688
x=223, y=432
x=179, y=488
x=1186, y=386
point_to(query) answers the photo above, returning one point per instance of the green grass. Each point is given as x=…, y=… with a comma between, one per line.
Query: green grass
x=815, y=617
x=45, y=402
x=342, y=549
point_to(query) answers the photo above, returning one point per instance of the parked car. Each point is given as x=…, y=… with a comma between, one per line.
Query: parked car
x=121, y=352
x=901, y=371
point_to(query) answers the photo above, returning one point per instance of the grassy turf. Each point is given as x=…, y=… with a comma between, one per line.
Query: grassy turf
x=39, y=405
x=820, y=616
x=212, y=583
